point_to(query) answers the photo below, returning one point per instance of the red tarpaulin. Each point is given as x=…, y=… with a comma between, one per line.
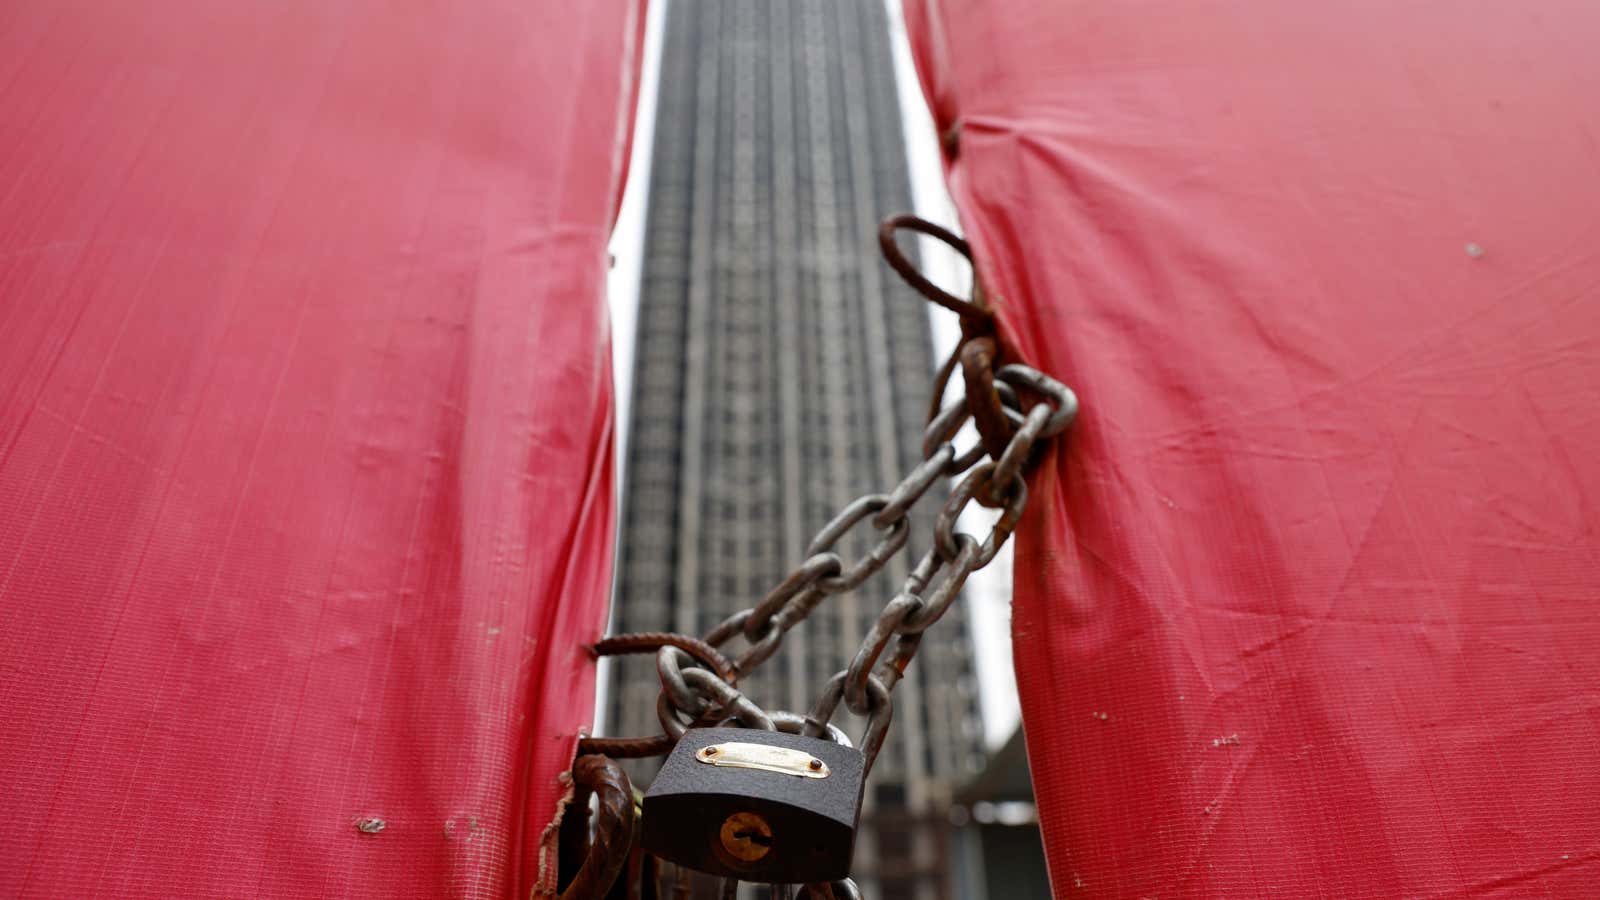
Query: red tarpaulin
x=1309, y=606
x=305, y=448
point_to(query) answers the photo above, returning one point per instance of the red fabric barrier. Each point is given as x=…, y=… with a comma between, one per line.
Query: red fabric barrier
x=1309, y=606
x=305, y=443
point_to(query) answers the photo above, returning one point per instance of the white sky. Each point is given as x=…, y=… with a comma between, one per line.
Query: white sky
x=988, y=595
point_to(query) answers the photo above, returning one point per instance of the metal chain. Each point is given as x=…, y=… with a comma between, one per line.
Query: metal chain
x=1016, y=410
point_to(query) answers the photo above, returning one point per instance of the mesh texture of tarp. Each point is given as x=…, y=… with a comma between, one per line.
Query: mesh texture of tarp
x=305, y=438
x=1308, y=605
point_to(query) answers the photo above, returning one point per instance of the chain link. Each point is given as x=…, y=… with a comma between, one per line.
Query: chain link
x=699, y=684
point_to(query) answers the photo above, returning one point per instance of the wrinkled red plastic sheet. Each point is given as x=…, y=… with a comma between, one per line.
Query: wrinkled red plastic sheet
x=305, y=448
x=1309, y=607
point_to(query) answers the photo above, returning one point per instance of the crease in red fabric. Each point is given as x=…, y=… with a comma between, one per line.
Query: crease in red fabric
x=1307, y=606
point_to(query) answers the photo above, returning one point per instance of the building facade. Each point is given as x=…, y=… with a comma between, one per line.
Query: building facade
x=782, y=370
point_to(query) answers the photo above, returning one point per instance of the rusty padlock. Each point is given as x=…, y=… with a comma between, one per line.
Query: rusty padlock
x=756, y=805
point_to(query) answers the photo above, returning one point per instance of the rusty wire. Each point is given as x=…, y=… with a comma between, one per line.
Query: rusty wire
x=613, y=835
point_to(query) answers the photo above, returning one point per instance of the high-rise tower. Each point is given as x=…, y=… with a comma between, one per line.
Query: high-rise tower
x=782, y=370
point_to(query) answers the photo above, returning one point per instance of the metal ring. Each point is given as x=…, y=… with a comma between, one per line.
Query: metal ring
x=1011, y=513
x=666, y=712
x=827, y=702
x=968, y=311
x=730, y=700
x=917, y=581
x=883, y=630
x=892, y=669
x=673, y=727
x=945, y=536
x=669, y=668
x=1009, y=399
x=893, y=539
x=942, y=428
x=880, y=711
x=911, y=488
x=945, y=592
x=816, y=567
x=761, y=649
x=794, y=723
x=859, y=509
x=667, y=715
x=865, y=567
x=727, y=628
x=1065, y=410
x=979, y=479
x=1009, y=466
x=880, y=707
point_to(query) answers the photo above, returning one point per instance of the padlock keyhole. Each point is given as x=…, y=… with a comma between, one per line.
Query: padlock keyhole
x=746, y=837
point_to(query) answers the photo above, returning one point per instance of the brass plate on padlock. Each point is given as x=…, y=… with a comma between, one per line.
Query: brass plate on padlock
x=766, y=757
